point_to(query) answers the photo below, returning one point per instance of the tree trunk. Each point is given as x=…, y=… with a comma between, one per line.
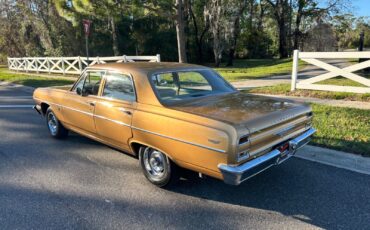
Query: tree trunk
x=235, y=36
x=282, y=40
x=198, y=39
x=280, y=11
x=114, y=37
x=217, y=58
x=230, y=61
x=261, y=17
x=297, y=32
x=217, y=49
x=181, y=37
x=236, y=30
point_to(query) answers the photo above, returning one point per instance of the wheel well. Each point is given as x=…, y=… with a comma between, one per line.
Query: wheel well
x=136, y=147
x=44, y=108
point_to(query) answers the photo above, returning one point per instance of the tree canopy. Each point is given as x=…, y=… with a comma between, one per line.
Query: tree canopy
x=180, y=30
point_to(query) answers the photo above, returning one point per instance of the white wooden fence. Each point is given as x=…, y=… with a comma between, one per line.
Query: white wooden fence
x=333, y=71
x=69, y=65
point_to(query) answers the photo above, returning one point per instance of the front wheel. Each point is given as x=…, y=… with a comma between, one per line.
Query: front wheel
x=157, y=167
x=56, y=129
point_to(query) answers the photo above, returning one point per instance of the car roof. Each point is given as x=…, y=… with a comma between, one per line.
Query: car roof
x=147, y=67
x=140, y=72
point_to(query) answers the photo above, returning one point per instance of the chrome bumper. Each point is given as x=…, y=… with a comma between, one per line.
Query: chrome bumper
x=235, y=175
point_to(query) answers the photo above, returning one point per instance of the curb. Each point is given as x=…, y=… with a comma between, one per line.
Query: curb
x=338, y=159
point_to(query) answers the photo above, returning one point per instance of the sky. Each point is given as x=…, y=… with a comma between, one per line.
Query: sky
x=361, y=7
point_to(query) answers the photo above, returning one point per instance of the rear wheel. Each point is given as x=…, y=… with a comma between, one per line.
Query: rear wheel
x=157, y=167
x=56, y=129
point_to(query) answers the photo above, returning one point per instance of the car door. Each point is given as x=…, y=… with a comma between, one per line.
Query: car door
x=114, y=110
x=79, y=103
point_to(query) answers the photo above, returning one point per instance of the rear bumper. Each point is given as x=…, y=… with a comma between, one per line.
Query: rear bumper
x=235, y=175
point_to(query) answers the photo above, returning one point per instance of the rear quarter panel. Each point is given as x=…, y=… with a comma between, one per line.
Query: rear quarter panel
x=191, y=141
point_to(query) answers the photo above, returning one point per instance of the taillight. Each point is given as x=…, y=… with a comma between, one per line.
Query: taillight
x=243, y=140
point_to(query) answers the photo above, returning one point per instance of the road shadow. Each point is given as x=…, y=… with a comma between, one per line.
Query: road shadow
x=320, y=195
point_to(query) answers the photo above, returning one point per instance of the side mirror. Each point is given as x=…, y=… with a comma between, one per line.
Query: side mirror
x=79, y=91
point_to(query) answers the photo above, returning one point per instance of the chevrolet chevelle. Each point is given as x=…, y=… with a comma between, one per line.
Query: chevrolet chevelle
x=174, y=116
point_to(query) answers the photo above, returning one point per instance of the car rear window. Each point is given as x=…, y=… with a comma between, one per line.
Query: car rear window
x=181, y=85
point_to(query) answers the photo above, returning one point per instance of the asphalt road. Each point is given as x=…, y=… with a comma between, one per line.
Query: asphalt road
x=80, y=184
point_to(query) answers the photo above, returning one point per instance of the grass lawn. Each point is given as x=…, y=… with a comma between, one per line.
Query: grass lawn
x=344, y=129
x=256, y=68
x=342, y=81
x=284, y=89
x=30, y=80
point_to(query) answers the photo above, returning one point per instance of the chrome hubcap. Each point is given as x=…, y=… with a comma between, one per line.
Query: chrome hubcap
x=52, y=123
x=154, y=162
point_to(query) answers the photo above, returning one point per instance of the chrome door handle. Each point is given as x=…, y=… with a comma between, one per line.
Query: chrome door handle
x=125, y=111
x=92, y=103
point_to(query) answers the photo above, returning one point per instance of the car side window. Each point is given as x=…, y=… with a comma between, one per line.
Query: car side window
x=90, y=83
x=80, y=83
x=119, y=86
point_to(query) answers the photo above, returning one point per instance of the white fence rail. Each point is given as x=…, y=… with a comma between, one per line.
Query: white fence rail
x=333, y=71
x=69, y=65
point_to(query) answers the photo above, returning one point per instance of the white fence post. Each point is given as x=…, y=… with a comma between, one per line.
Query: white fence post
x=295, y=70
x=79, y=64
x=37, y=65
x=63, y=69
x=25, y=63
x=48, y=63
x=158, y=58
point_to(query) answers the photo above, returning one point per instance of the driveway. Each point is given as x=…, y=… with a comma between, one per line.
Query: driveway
x=81, y=184
x=307, y=72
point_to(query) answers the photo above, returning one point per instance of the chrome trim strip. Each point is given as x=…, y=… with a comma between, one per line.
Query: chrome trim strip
x=175, y=139
x=238, y=171
x=277, y=141
x=277, y=129
x=301, y=140
x=77, y=110
x=111, y=120
x=235, y=175
x=147, y=131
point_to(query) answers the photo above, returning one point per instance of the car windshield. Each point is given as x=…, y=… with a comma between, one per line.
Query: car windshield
x=182, y=85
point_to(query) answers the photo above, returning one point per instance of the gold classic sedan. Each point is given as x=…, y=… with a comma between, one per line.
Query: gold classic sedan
x=174, y=116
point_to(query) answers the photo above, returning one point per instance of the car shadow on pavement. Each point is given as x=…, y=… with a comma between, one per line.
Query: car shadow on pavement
x=320, y=195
